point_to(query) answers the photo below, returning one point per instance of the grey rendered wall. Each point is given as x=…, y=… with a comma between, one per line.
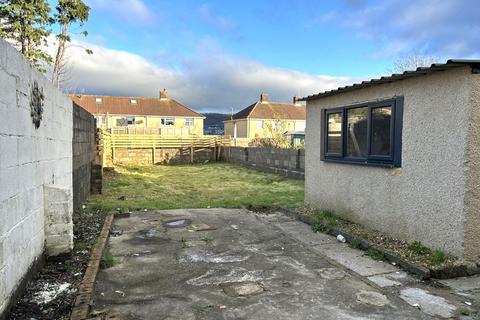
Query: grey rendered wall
x=424, y=199
x=35, y=172
x=83, y=146
x=472, y=196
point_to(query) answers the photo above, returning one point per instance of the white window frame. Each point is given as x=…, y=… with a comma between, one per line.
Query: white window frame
x=189, y=122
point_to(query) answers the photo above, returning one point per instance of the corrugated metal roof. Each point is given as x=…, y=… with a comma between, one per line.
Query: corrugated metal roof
x=454, y=63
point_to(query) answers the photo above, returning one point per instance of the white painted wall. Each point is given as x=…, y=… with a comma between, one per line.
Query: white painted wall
x=29, y=160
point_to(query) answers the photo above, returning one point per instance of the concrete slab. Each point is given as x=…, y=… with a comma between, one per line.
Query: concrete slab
x=268, y=273
x=394, y=279
x=463, y=284
x=428, y=303
x=354, y=259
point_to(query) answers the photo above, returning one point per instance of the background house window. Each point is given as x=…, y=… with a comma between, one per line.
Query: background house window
x=260, y=124
x=130, y=120
x=98, y=100
x=168, y=121
x=133, y=101
x=367, y=134
x=189, y=121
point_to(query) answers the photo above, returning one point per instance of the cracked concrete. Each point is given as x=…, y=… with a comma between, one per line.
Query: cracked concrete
x=247, y=266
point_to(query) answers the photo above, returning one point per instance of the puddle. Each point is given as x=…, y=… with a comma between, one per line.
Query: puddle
x=177, y=223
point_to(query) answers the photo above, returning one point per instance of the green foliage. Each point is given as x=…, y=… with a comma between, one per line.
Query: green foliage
x=108, y=261
x=207, y=238
x=418, y=248
x=355, y=244
x=25, y=23
x=274, y=136
x=437, y=257
x=375, y=254
x=324, y=220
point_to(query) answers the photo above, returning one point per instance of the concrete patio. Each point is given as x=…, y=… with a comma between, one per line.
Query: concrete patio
x=236, y=264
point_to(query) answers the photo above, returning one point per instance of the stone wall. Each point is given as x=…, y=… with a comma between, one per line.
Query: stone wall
x=83, y=146
x=162, y=155
x=288, y=162
x=31, y=161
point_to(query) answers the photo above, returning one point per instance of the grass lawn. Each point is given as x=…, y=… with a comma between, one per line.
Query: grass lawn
x=211, y=185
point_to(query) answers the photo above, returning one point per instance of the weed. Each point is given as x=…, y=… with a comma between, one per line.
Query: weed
x=418, y=248
x=81, y=246
x=184, y=242
x=108, y=261
x=207, y=238
x=437, y=257
x=473, y=314
x=375, y=254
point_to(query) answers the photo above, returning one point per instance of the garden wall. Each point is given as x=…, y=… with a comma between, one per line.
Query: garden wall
x=36, y=201
x=288, y=162
x=83, y=146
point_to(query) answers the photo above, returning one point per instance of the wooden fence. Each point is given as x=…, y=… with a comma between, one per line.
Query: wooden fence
x=108, y=144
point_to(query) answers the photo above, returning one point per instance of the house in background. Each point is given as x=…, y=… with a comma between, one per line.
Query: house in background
x=162, y=115
x=401, y=155
x=263, y=116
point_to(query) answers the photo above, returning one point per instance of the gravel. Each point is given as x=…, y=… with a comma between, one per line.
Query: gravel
x=51, y=293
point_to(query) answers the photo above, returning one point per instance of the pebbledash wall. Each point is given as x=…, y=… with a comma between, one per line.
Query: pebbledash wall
x=36, y=200
x=435, y=196
x=287, y=162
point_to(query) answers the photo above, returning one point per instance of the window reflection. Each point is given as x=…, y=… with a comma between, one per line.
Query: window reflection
x=381, y=124
x=357, y=121
x=334, y=138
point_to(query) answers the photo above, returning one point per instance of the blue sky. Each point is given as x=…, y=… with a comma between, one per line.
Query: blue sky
x=218, y=55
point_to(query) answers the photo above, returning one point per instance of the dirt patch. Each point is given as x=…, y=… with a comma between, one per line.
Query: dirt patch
x=396, y=246
x=51, y=294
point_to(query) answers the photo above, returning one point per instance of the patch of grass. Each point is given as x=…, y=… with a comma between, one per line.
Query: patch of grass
x=437, y=257
x=207, y=238
x=184, y=242
x=324, y=221
x=375, y=254
x=81, y=246
x=418, y=248
x=108, y=261
x=212, y=185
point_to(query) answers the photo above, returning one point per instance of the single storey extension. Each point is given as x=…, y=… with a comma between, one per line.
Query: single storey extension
x=401, y=154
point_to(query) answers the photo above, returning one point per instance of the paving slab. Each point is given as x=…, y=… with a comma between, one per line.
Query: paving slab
x=428, y=303
x=253, y=270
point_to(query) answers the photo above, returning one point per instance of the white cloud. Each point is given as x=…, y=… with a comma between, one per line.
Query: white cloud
x=447, y=28
x=212, y=81
x=132, y=11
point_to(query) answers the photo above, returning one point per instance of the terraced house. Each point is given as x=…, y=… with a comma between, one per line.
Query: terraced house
x=259, y=119
x=161, y=115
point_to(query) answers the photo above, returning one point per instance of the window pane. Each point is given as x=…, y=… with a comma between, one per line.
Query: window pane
x=381, y=126
x=334, y=134
x=357, y=119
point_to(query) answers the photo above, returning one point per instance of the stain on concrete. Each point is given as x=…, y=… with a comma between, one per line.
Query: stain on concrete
x=331, y=273
x=243, y=289
x=372, y=298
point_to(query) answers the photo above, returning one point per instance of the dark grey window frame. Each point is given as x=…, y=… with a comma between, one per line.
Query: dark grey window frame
x=393, y=160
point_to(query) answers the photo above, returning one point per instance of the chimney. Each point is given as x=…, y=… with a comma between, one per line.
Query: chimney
x=296, y=100
x=263, y=97
x=164, y=94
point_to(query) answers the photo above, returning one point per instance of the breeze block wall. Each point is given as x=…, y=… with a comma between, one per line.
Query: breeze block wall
x=83, y=147
x=35, y=173
x=288, y=162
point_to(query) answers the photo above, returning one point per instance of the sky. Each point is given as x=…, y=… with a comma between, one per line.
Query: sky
x=215, y=56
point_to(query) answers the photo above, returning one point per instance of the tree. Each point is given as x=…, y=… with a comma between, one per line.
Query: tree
x=69, y=12
x=25, y=22
x=412, y=61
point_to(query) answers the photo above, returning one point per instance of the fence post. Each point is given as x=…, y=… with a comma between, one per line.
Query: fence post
x=246, y=154
x=191, y=152
x=153, y=154
x=298, y=160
